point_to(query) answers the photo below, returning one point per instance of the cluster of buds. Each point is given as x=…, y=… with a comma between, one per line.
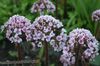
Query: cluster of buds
x=48, y=29
x=96, y=15
x=80, y=43
x=16, y=28
x=43, y=5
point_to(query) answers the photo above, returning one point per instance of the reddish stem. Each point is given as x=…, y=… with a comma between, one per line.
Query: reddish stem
x=65, y=9
x=19, y=50
x=46, y=54
x=56, y=8
x=97, y=29
x=77, y=57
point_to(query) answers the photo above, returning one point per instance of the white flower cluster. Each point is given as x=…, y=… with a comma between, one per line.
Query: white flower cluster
x=42, y=5
x=46, y=28
x=82, y=40
x=96, y=15
x=16, y=28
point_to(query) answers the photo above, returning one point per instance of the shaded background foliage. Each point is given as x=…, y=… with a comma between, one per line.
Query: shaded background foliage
x=73, y=14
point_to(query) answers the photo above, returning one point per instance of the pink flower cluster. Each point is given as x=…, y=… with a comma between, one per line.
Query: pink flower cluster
x=48, y=29
x=68, y=57
x=84, y=41
x=16, y=28
x=42, y=5
x=96, y=15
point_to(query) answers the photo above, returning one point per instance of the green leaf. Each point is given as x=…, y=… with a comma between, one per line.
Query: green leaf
x=41, y=52
x=96, y=61
x=13, y=53
x=52, y=65
x=1, y=37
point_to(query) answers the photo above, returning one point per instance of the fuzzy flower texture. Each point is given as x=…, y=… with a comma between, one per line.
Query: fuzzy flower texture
x=48, y=29
x=16, y=28
x=82, y=43
x=96, y=15
x=42, y=5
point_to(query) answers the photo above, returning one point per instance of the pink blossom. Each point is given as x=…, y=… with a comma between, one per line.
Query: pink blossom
x=16, y=28
x=48, y=31
x=96, y=15
x=84, y=39
x=43, y=5
x=86, y=44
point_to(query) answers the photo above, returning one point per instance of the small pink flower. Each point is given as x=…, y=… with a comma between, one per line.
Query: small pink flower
x=59, y=38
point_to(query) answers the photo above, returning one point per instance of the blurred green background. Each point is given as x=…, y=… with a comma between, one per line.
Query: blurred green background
x=72, y=13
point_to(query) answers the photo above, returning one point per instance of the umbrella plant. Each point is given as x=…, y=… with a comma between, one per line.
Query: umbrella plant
x=16, y=31
x=81, y=48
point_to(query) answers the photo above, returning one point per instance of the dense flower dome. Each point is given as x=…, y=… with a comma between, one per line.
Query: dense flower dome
x=42, y=5
x=82, y=40
x=16, y=28
x=96, y=15
x=47, y=29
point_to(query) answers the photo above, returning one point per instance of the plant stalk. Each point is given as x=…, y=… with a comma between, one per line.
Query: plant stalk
x=19, y=50
x=65, y=9
x=97, y=29
x=56, y=8
x=46, y=53
x=77, y=57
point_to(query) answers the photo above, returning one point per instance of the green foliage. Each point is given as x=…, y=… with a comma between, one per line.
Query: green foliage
x=13, y=53
x=12, y=7
x=1, y=36
x=83, y=10
x=96, y=61
x=52, y=65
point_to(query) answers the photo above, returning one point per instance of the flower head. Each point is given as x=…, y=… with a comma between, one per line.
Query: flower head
x=46, y=28
x=42, y=5
x=80, y=41
x=84, y=39
x=16, y=27
x=96, y=15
